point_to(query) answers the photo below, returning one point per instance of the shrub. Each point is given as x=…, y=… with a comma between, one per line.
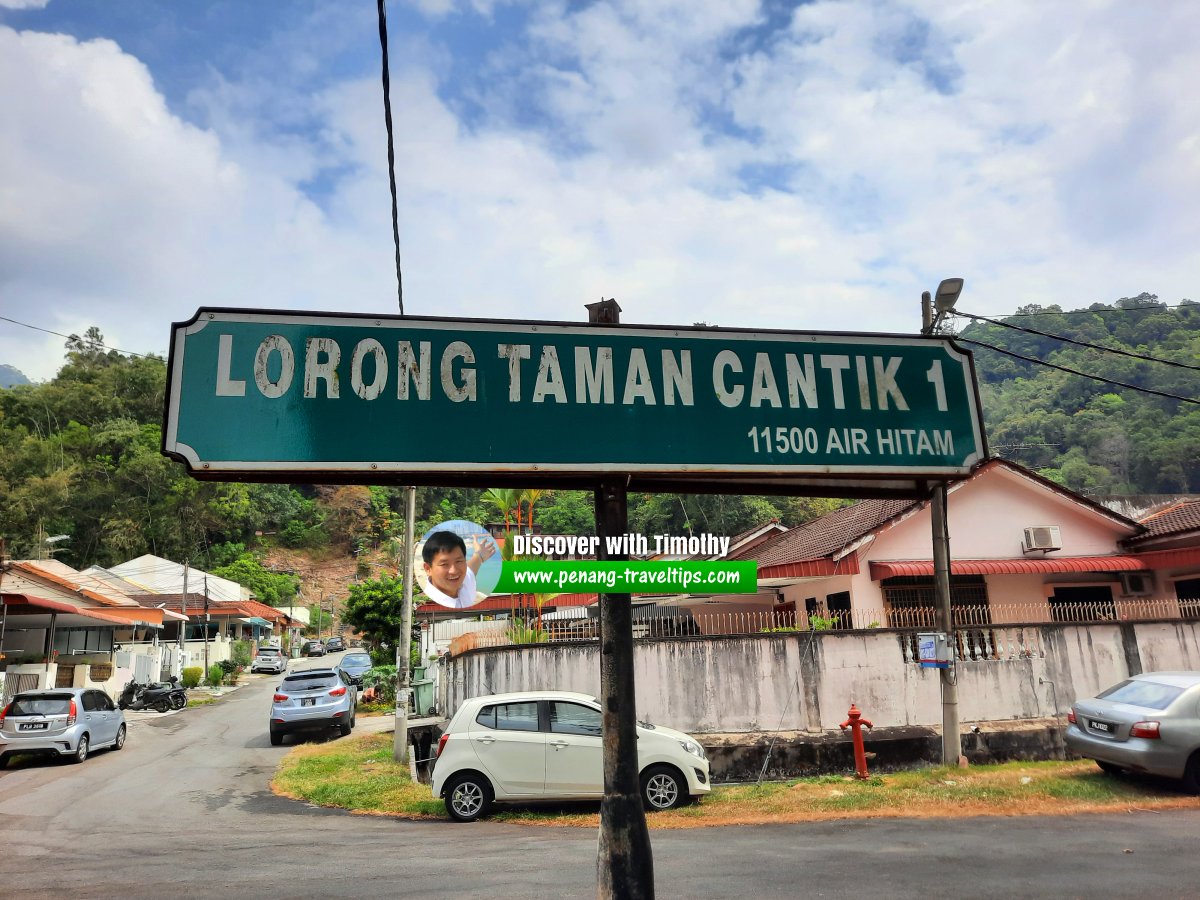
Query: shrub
x=384, y=679
x=823, y=623
x=216, y=674
x=243, y=653
x=383, y=656
x=227, y=666
x=192, y=676
x=520, y=633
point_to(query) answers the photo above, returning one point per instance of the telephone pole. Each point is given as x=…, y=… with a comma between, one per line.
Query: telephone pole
x=404, y=639
x=947, y=294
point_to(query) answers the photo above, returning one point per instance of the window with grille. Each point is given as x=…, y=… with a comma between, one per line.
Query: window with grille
x=911, y=600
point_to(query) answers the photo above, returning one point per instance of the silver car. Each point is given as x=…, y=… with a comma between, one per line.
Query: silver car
x=269, y=659
x=1148, y=723
x=313, y=700
x=66, y=722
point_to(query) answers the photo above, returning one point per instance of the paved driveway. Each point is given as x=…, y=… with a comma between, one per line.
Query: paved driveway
x=184, y=811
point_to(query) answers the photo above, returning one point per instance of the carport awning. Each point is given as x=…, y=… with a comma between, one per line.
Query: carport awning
x=255, y=620
x=882, y=570
x=26, y=603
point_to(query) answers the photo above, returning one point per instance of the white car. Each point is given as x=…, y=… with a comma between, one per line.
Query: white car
x=546, y=745
x=269, y=659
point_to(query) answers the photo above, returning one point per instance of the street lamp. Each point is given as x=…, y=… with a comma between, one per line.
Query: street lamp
x=943, y=302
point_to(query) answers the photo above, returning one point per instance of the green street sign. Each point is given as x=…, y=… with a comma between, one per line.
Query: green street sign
x=292, y=396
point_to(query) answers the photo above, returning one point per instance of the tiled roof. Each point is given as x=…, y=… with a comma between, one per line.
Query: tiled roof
x=1175, y=519
x=63, y=576
x=827, y=535
x=195, y=605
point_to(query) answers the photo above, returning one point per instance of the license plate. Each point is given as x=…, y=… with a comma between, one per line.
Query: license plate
x=34, y=726
x=309, y=701
x=1102, y=726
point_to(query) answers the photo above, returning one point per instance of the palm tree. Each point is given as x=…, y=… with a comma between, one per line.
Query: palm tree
x=530, y=496
x=504, y=500
x=541, y=600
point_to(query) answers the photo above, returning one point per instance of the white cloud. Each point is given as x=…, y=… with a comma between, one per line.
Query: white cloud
x=1042, y=151
x=24, y=4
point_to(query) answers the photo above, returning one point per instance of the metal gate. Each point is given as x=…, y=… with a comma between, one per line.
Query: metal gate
x=14, y=684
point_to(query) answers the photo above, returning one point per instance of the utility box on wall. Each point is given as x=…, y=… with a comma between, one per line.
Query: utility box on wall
x=933, y=650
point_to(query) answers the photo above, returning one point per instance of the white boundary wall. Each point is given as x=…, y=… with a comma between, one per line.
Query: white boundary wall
x=807, y=681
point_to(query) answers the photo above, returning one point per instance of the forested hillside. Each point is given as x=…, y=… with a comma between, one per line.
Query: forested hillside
x=79, y=455
x=1097, y=438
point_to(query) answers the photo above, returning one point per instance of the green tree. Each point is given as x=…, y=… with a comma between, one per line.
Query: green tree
x=374, y=609
x=272, y=588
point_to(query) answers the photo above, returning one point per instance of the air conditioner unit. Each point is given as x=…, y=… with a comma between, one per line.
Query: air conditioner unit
x=1042, y=537
x=1137, y=584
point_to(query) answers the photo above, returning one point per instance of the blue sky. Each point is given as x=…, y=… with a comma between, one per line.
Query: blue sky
x=758, y=164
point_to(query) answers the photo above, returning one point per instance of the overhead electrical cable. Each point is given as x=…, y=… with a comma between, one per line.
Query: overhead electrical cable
x=77, y=337
x=1067, y=340
x=387, y=120
x=1042, y=362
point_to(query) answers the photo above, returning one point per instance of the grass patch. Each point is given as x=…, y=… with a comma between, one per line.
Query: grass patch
x=200, y=701
x=359, y=774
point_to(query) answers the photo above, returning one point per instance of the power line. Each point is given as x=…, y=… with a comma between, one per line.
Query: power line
x=1042, y=362
x=1067, y=340
x=76, y=337
x=387, y=120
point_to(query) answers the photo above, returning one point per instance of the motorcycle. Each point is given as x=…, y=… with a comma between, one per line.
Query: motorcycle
x=159, y=696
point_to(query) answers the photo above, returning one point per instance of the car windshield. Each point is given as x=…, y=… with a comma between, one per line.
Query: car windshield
x=57, y=705
x=1146, y=694
x=356, y=659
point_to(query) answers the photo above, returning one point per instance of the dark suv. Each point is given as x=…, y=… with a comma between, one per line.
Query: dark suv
x=334, y=643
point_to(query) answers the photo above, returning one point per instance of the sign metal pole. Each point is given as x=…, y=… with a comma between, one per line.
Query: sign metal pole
x=624, y=863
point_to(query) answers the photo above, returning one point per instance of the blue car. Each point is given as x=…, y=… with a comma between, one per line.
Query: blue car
x=355, y=664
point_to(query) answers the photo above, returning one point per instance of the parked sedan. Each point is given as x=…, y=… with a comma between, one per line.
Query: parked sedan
x=65, y=722
x=269, y=659
x=314, y=648
x=313, y=700
x=355, y=664
x=1148, y=723
x=547, y=746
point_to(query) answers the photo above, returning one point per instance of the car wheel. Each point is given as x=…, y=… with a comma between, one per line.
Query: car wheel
x=276, y=738
x=120, y=741
x=81, y=752
x=344, y=728
x=1191, y=774
x=468, y=797
x=662, y=788
x=3, y=760
x=1110, y=768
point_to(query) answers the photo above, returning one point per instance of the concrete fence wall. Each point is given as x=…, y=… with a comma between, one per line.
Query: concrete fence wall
x=807, y=681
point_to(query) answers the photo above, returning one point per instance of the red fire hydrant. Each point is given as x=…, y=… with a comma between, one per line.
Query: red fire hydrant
x=856, y=722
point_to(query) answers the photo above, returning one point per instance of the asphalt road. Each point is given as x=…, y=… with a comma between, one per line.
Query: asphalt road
x=185, y=811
